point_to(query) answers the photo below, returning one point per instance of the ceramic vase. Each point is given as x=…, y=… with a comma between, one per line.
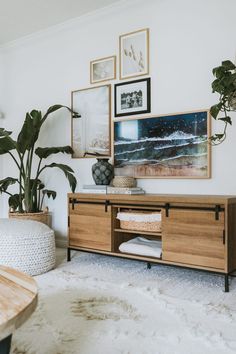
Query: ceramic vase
x=102, y=172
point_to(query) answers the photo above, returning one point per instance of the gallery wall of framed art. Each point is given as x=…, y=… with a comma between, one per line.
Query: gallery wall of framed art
x=118, y=122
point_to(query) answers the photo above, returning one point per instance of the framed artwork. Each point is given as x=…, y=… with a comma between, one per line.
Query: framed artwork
x=103, y=69
x=134, y=54
x=169, y=146
x=91, y=131
x=133, y=97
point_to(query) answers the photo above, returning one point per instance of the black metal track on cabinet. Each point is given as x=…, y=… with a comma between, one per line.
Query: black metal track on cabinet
x=167, y=206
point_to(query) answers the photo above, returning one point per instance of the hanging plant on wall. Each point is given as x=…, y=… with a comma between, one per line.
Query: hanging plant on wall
x=31, y=191
x=225, y=85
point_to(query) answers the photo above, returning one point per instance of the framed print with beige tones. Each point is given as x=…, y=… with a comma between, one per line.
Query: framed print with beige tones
x=168, y=146
x=103, y=69
x=91, y=130
x=134, y=54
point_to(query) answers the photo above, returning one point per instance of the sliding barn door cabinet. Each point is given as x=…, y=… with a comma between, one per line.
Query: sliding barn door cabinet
x=197, y=232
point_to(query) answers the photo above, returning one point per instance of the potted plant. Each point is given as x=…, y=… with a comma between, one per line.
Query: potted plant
x=225, y=85
x=28, y=201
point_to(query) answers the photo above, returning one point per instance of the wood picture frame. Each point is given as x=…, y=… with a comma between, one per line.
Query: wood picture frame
x=103, y=69
x=163, y=147
x=132, y=97
x=91, y=131
x=134, y=54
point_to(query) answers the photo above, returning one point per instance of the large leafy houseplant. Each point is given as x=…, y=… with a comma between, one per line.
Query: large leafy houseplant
x=23, y=151
x=225, y=85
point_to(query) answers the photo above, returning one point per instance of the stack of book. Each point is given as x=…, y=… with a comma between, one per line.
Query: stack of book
x=94, y=189
x=121, y=190
x=100, y=189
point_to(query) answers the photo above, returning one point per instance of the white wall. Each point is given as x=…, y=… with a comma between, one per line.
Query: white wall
x=187, y=39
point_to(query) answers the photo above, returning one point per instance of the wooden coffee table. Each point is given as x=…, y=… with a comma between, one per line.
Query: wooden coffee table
x=18, y=299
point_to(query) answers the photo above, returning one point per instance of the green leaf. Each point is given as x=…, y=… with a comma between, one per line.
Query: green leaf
x=14, y=201
x=219, y=136
x=4, y=132
x=214, y=110
x=219, y=72
x=6, y=182
x=50, y=193
x=228, y=65
x=68, y=173
x=29, y=132
x=226, y=120
x=6, y=144
x=40, y=186
x=55, y=108
x=217, y=86
x=43, y=153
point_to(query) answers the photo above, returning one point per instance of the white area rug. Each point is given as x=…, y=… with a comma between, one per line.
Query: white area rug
x=103, y=305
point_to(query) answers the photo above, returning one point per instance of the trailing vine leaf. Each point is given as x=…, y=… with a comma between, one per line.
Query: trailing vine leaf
x=214, y=110
x=226, y=119
x=225, y=85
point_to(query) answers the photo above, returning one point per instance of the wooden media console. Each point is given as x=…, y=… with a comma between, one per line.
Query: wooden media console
x=198, y=231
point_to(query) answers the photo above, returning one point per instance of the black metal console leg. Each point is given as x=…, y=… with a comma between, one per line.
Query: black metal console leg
x=226, y=283
x=5, y=345
x=149, y=265
x=68, y=255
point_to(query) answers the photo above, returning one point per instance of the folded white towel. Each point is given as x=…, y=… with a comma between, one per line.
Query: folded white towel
x=142, y=246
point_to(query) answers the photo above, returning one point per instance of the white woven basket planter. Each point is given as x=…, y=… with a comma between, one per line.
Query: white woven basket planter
x=27, y=245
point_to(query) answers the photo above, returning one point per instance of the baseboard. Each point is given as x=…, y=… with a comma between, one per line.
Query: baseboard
x=61, y=242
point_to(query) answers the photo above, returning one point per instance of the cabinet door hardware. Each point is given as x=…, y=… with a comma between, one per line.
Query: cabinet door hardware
x=167, y=208
x=107, y=203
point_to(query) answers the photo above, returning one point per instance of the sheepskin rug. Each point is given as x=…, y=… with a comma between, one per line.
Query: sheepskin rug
x=104, y=305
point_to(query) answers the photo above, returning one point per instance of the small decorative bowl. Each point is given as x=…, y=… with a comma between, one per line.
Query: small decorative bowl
x=124, y=182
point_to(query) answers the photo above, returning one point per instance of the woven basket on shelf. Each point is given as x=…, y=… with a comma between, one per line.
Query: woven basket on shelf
x=140, y=225
x=124, y=182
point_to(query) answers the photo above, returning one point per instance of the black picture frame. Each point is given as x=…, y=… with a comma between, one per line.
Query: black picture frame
x=130, y=111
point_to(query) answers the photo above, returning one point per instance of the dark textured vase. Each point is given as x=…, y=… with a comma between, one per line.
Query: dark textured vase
x=103, y=172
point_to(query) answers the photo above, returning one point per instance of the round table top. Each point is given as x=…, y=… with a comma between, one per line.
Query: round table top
x=18, y=299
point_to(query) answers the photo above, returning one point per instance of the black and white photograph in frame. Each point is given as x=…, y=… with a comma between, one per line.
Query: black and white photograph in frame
x=134, y=54
x=91, y=129
x=103, y=69
x=133, y=97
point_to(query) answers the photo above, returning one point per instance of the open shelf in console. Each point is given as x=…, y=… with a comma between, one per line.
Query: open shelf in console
x=121, y=235
x=144, y=233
